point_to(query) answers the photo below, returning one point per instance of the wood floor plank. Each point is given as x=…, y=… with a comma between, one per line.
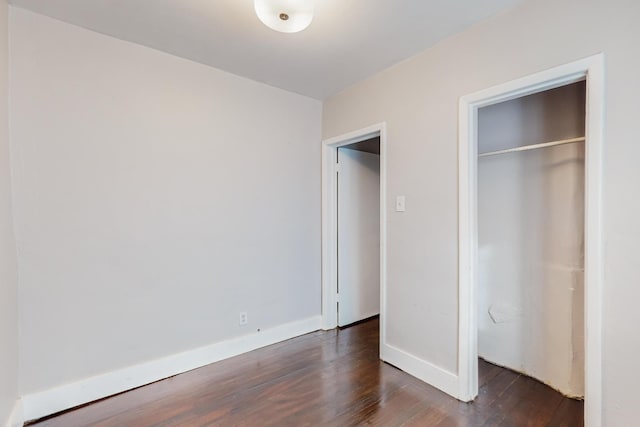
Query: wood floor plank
x=568, y=414
x=332, y=378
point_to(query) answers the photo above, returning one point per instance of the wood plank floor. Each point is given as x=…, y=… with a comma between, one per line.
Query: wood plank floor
x=329, y=378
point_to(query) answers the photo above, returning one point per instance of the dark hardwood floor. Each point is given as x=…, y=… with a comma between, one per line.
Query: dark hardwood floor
x=324, y=379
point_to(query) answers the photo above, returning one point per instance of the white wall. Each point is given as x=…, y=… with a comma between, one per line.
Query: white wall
x=418, y=99
x=156, y=198
x=531, y=238
x=8, y=266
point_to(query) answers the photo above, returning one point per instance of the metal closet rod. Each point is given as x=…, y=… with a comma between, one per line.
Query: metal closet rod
x=534, y=146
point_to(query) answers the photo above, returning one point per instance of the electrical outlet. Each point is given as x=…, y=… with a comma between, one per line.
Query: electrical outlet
x=244, y=318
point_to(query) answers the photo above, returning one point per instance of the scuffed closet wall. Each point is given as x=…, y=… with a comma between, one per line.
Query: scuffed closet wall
x=531, y=238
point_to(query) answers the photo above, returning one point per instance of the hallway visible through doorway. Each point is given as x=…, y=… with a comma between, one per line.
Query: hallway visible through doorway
x=358, y=231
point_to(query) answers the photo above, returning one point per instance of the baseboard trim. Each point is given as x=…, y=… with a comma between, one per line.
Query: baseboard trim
x=48, y=402
x=16, y=418
x=421, y=369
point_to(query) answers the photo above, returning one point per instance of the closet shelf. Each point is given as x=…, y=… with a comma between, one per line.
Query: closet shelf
x=534, y=146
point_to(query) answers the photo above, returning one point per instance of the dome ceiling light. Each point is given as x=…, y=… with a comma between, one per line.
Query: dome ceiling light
x=286, y=16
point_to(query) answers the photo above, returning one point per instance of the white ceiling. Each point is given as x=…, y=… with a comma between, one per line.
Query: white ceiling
x=347, y=41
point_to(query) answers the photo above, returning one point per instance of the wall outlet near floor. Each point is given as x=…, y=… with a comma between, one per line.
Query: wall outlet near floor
x=244, y=318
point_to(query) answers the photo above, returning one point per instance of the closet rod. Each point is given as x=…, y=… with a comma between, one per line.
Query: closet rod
x=534, y=146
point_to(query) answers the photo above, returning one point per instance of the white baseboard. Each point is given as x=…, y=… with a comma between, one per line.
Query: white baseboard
x=423, y=370
x=16, y=418
x=41, y=404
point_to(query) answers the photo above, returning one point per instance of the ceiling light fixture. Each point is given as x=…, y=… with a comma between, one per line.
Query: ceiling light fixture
x=286, y=16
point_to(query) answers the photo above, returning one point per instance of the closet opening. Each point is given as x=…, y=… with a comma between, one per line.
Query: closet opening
x=530, y=252
x=530, y=213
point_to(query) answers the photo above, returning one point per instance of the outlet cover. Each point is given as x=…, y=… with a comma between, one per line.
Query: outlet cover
x=244, y=318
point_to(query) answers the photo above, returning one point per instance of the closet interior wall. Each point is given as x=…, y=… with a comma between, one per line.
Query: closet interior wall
x=531, y=237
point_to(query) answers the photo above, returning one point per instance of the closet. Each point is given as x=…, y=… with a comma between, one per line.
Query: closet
x=531, y=236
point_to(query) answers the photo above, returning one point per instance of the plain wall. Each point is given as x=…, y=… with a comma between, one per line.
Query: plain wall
x=531, y=238
x=418, y=99
x=156, y=199
x=8, y=265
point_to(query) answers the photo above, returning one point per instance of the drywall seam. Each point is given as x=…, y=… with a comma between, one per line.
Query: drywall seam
x=41, y=404
x=421, y=369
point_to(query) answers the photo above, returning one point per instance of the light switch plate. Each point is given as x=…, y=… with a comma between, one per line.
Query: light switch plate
x=400, y=204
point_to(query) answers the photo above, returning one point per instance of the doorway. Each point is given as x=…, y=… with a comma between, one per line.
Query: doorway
x=358, y=231
x=591, y=71
x=355, y=160
x=531, y=236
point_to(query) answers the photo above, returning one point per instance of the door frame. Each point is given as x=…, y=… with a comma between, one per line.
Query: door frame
x=330, y=222
x=590, y=69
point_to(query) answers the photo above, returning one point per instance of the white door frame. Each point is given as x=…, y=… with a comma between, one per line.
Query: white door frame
x=591, y=69
x=330, y=221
